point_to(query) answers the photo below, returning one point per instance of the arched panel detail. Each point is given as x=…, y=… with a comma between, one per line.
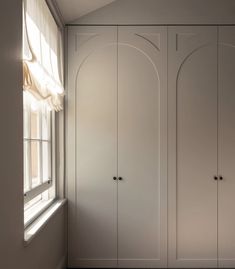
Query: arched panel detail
x=153, y=39
x=192, y=128
x=82, y=38
x=92, y=146
x=185, y=60
x=142, y=144
x=86, y=58
x=226, y=146
x=145, y=55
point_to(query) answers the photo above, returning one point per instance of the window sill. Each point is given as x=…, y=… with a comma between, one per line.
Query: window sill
x=32, y=230
x=35, y=211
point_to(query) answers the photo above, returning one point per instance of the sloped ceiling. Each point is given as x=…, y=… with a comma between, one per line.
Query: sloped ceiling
x=74, y=9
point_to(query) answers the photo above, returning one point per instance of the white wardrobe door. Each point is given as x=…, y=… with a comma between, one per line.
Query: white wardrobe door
x=92, y=146
x=142, y=153
x=226, y=194
x=192, y=65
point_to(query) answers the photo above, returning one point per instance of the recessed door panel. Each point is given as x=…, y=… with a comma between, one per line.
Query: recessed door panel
x=142, y=152
x=226, y=191
x=92, y=146
x=192, y=82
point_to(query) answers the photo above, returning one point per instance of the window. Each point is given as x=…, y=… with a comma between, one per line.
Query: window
x=42, y=99
x=39, y=178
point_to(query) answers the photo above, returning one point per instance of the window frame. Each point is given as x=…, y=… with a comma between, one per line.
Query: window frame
x=36, y=209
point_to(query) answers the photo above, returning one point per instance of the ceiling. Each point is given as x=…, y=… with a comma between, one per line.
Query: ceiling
x=73, y=9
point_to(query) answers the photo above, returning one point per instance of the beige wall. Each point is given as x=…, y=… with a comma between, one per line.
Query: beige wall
x=49, y=247
x=163, y=12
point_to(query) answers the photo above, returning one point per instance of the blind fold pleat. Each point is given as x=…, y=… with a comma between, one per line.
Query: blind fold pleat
x=42, y=54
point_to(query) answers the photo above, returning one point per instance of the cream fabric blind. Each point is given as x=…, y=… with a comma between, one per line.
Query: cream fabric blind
x=42, y=54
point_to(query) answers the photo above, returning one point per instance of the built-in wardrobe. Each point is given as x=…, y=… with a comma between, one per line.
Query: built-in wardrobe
x=151, y=146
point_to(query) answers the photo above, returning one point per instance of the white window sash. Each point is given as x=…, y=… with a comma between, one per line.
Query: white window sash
x=29, y=195
x=50, y=183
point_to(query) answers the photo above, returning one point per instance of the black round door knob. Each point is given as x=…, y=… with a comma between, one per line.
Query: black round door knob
x=221, y=178
x=114, y=178
x=215, y=178
x=120, y=178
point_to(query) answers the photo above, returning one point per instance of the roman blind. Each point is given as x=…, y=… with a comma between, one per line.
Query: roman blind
x=42, y=54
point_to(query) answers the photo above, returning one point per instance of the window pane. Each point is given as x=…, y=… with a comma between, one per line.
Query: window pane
x=35, y=121
x=36, y=206
x=33, y=201
x=26, y=133
x=30, y=208
x=46, y=161
x=26, y=115
x=35, y=163
x=46, y=124
x=26, y=166
x=45, y=195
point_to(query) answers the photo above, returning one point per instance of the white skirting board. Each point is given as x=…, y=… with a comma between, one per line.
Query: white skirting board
x=113, y=263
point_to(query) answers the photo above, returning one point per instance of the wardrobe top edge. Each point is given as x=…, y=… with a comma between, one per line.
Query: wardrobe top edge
x=230, y=24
